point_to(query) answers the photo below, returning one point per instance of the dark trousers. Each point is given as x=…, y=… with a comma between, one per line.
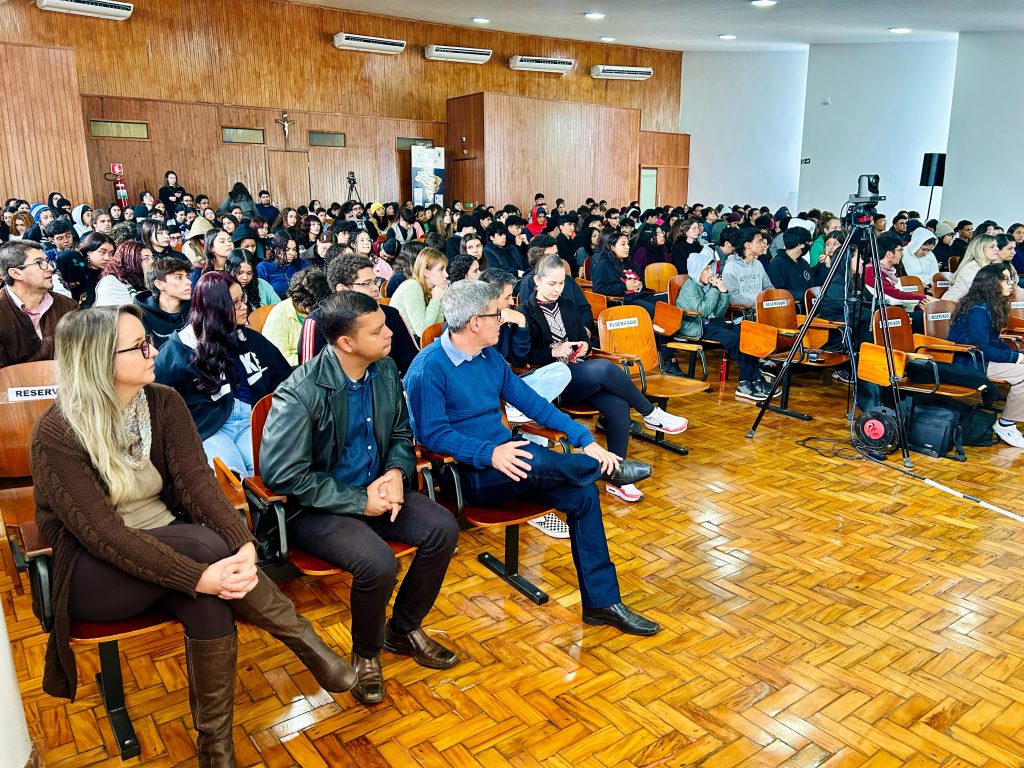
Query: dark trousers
x=358, y=544
x=608, y=388
x=565, y=482
x=729, y=338
x=103, y=592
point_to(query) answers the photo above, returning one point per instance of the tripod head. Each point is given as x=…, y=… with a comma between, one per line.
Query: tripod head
x=865, y=201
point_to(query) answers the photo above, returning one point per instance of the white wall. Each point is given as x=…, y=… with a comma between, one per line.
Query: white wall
x=985, y=163
x=890, y=103
x=15, y=744
x=744, y=112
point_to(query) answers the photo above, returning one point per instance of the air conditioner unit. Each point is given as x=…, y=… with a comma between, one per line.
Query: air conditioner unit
x=457, y=53
x=347, y=42
x=611, y=72
x=541, y=64
x=101, y=9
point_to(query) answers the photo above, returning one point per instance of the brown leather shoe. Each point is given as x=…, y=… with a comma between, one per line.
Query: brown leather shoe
x=424, y=651
x=369, y=687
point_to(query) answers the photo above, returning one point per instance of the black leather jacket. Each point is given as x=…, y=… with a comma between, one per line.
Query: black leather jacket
x=305, y=434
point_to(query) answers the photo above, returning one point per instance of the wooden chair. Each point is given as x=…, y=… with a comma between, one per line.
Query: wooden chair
x=937, y=315
x=258, y=317
x=873, y=367
x=940, y=283
x=30, y=553
x=627, y=333
x=811, y=296
x=912, y=284
x=675, y=285
x=919, y=346
x=657, y=276
x=954, y=262
x=430, y=333
x=585, y=269
x=771, y=334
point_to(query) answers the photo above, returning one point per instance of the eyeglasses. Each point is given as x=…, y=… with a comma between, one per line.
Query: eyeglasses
x=496, y=315
x=239, y=303
x=362, y=284
x=145, y=348
x=43, y=264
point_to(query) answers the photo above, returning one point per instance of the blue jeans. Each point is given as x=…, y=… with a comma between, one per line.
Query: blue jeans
x=548, y=382
x=232, y=443
x=565, y=482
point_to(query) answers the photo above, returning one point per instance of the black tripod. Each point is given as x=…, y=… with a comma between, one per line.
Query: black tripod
x=353, y=190
x=861, y=227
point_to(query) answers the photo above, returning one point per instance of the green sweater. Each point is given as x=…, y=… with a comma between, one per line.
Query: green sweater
x=706, y=299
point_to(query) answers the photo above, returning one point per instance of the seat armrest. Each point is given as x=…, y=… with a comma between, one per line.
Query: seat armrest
x=31, y=540
x=432, y=457
x=618, y=357
x=264, y=494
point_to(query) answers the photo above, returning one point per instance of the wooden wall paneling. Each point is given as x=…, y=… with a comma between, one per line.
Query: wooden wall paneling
x=658, y=148
x=42, y=143
x=465, y=147
x=288, y=177
x=672, y=185
x=282, y=57
x=561, y=148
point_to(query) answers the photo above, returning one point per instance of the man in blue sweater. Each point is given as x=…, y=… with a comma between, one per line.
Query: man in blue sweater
x=455, y=386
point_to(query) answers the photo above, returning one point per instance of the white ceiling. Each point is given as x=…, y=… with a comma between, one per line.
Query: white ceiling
x=694, y=25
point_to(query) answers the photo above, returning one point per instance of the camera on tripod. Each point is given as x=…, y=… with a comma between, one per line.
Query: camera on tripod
x=351, y=178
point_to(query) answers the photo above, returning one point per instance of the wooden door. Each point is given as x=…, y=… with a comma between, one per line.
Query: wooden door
x=404, y=175
x=672, y=183
x=289, y=177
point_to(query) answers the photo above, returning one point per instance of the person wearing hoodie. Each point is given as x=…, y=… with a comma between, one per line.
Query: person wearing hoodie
x=81, y=215
x=239, y=197
x=918, y=259
x=743, y=273
x=789, y=270
x=166, y=304
x=707, y=294
x=944, y=235
x=193, y=247
x=538, y=221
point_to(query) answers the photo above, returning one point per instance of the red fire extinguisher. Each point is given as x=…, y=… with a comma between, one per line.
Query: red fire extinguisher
x=116, y=175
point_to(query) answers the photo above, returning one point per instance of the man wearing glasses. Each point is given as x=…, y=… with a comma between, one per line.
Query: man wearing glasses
x=352, y=272
x=29, y=309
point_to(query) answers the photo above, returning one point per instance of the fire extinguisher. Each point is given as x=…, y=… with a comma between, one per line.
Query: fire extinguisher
x=120, y=188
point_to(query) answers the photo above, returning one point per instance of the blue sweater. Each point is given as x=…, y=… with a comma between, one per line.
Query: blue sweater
x=456, y=410
x=976, y=328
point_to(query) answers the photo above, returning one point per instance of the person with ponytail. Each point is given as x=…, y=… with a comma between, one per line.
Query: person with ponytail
x=137, y=522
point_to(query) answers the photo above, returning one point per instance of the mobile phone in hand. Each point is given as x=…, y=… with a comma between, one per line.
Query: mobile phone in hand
x=575, y=352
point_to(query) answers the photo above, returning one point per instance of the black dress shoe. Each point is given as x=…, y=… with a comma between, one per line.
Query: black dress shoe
x=620, y=617
x=629, y=472
x=424, y=650
x=369, y=687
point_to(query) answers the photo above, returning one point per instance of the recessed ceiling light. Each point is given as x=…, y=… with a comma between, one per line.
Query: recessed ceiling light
x=607, y=39
x=763, y=3
x=481, y=20
x=727, y=36
x=900, y=30
x=595, y=15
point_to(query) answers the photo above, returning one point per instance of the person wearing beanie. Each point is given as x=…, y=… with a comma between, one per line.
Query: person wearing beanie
x=789, y=270
x=246, y=238
x=944, y=235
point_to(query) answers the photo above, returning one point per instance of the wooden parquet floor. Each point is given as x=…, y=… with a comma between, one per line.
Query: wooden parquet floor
x=817, y=611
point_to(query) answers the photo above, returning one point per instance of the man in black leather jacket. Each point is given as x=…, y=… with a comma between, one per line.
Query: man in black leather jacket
x=338, y=443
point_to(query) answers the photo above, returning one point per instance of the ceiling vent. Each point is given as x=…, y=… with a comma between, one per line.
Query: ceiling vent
x=367, y=44
x=100, y=9
x=541, y=64
x=457, y=53
x=610, y=72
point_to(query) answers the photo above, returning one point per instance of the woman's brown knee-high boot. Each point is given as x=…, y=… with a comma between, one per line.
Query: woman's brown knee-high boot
x=266, y=607
x=210, y=666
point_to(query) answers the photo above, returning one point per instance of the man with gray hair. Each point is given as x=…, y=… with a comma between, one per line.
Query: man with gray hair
x=455, y=388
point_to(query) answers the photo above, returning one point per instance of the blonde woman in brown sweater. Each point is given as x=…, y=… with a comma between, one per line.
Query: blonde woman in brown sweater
x=137, y=521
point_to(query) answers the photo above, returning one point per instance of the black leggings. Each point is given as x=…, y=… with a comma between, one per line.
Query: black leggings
x=606, y=386
x=103, y=592
x=729, y=338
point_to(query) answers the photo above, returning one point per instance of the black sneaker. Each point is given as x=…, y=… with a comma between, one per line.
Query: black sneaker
x=749, y=391
x=843, y=376
x=765, y=387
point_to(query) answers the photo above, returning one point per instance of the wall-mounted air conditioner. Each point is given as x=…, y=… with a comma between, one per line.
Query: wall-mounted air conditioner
x=457, y=53
x=367, y=44
x=612, y=72
x=100, y=9
x=541, y=64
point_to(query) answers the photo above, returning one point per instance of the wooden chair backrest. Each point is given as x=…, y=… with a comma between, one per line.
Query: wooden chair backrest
x=912, y=284
x=900, y=332
x=585, y=269
x=258, y=317
x=18, y=415
x=954, y=262
x=567, y=268
x=873, y=366
x=384, y=300
x=811, y=296
x=627, y=329
x=668, y=318
x=940, y=283
x=1017, y=303
x=598, y=302
x=383, y=289
x=260, y=411
x=775, y=307
x=657, y=275
x=675, y=285
x=937, y=315
x=430, y=333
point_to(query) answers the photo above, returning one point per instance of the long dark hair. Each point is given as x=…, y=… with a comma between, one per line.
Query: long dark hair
x=609, y=237
x=250, y=292
x=210, y=263
x=126, y=264
x=987, y=289
x=92, y=242
x=148, y=230
x=212, y=317
x=277, y=247
x=239, y=192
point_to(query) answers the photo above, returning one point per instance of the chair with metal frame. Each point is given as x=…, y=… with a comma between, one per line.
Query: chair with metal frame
x=940, y=283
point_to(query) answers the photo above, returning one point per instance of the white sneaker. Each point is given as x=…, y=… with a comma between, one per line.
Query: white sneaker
x=515, y=416
x=628, y=493
x=665, y=422
x=1009, y=434
x=551, y=525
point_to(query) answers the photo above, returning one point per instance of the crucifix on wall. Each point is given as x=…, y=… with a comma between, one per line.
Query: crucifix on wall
x=285, y=124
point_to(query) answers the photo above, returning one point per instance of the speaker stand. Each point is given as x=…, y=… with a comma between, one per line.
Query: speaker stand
x=928, y=216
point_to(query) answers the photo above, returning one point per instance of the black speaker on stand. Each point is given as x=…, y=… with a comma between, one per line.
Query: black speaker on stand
x=933, y=171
